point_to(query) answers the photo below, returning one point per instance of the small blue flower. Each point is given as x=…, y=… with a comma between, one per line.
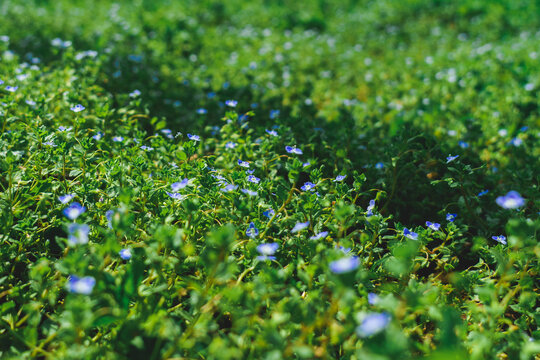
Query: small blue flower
x=74, y=210
x=215, y=130
x=219, y=177
x=451, y=217
x=271, y=132
x=373, y=324
x=125, y=254
x=482, y=193
x=50, y=143
x=373, y=298
x=135, y=93
x=300, y=226
x=344, y=265
x=147, y=148
x=78, y=233
x=370, y=208
x=194, y=137
x=64, y=129
x=516, y=142
x=267, y=251
x=179, y=185
x=524, y=128
x=167, y=133
x=274, y=114
x=433, y=226
x=379, y=165
x=253, y=179
x=320, y=235
x=118, y=139
x=343, y=249
x=77, y=108
x=450, y=158
x=249, y=192
x=98, y=136
x=340, y=178
x=229, y=188
x=176, y=196
x=30, y=102
x=243, y=163
x=231, y=103
x=269, y=213
x=82, y=285
x=11, y=88
x=512, y=200
x=308, y=186
x=463, y=144
x=293, y=150
x=135, y=58
x=410, y=234
x=230, y=145
x=500, y=238
x=252, y=231
x=64, y=199
x=202, y=111
x=306, y=164
x=109, y=215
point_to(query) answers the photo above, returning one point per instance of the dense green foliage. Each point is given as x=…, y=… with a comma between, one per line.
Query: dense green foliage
x=384, y=93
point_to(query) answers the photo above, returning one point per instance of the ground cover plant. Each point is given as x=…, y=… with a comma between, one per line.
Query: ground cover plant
x=267, y=180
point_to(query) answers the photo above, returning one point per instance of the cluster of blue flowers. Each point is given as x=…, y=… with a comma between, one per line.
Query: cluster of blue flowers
x=77, y=234
x=370, y=325
x=512, y=200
